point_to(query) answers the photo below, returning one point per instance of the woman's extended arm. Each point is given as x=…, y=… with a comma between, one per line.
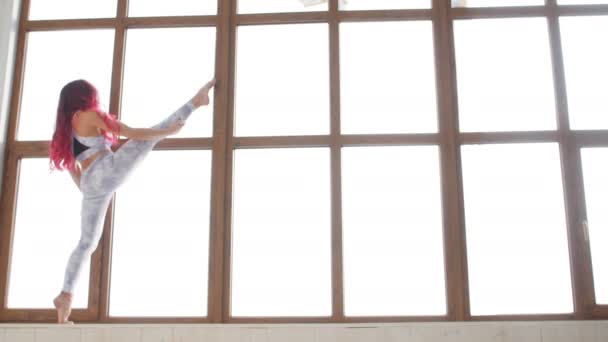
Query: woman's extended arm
x=147, y=133
x=137, y=133
x=201, y=98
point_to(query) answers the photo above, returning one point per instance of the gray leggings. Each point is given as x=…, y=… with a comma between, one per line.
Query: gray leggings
x=98, y=184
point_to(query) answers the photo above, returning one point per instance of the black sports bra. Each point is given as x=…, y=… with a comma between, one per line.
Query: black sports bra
x=78, y=147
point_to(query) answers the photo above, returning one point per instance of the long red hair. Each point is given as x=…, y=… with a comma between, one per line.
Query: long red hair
x=75, y=96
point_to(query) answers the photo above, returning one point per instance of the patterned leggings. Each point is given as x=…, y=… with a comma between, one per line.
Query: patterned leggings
x=98, y=183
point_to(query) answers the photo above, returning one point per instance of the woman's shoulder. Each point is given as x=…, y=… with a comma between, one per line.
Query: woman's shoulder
x=85, y=114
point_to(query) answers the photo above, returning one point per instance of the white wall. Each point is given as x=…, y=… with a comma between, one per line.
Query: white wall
x=583, y=331
x=9, y=27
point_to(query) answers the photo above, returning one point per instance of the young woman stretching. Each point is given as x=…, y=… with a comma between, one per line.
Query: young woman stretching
x=81, y=144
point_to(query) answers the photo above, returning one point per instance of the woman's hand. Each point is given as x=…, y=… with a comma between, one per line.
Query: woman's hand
x=201, y=98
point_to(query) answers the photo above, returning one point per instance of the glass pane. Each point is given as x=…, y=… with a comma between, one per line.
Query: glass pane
x=505, y=81
x=281, y=240
x=353, y=5
x=282, y=81
x=496, y=3
x=595, y=169
x=586, y=70
x=154, y=8
x=47, y=229
x=273, y=6
x=387, y=78
x=52, y=61
x=179, y=70
x=581, y=2
x=71, y=9
x=160, y=246
x=392, y=231
x=517, y=242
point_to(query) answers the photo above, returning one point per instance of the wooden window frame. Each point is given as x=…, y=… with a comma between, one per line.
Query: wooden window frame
x=223, y=143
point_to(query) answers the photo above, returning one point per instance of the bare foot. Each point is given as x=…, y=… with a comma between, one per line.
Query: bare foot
x=63, y=304
x=202, y=96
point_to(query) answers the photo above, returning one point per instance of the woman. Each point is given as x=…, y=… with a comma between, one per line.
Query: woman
x=81, y=144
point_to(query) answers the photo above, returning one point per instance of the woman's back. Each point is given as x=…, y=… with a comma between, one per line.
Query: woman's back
x=86, y=137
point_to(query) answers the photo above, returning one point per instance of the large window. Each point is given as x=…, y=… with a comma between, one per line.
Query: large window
x=175, y=60
x=282, y=81
x=594, y=168
x=161, y=229
x=71, y=9
x=52, y=54
x=513, y=202
x=387, y=78
x=278, y=6
x=360, y=161
x=391, y=221
x=281, y=233
x=148, y=8
x=586, y=72
x=504, y=75
x=43, y=241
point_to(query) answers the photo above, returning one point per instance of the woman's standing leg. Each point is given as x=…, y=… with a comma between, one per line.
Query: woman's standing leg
x=92, y=215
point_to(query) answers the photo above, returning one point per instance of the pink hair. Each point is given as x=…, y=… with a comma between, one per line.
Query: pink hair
x=75, y=96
